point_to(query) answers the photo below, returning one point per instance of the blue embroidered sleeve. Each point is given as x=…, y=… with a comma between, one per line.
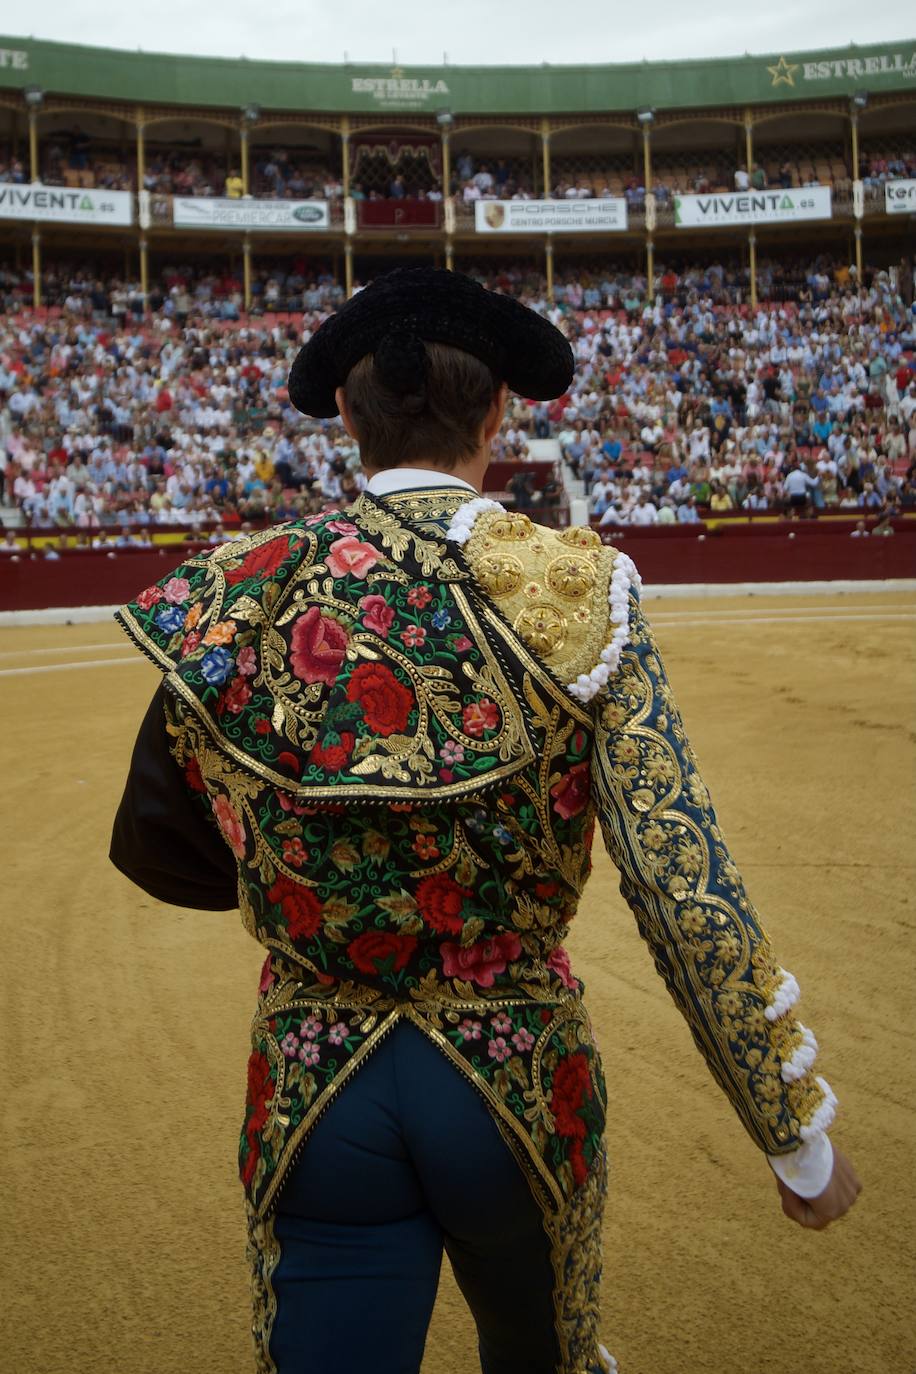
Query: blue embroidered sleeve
x=682, y=885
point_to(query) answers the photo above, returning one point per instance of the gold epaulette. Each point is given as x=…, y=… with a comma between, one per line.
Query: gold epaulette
x=551, y=585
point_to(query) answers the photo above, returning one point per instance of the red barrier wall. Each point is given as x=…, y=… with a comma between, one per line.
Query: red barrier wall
x=774, y=553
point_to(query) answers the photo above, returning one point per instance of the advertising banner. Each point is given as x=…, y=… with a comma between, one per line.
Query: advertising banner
x=605, y=216
x=212, y=212
x=65, y=204
x=900, y=197
x=777, y=206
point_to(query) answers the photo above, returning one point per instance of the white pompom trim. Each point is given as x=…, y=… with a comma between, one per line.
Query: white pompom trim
x=822, y=1119
x=785, y=996
x=462, y=522
x=610, y=1364
x=798, y=1065
x=623, y=578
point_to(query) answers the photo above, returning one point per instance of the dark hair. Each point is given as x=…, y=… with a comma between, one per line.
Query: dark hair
x=440, y=417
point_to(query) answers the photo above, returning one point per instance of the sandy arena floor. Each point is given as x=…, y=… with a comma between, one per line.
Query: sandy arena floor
x=121, y=1214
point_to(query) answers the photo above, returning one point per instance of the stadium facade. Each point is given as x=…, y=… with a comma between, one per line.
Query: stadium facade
x=645, y=155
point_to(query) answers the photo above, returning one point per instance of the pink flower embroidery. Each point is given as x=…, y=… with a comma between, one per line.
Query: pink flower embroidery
x=498, y=1049
x=452, y=752
x=289, y=1045
x=419, y=596
x=230, y=824
x=267, y=975
x=294, y=852
x=482, y=961
x=414, y=636
x=246, y=663
x=310, y=1027
x=462, y=644
x=378, y=615
x=523, y=1040
x=338, y=1033
x=349, y=557
x=190, y=643
x=501, y=1025
x=469, y=1030
x=558, y=961
x=176, y=590
x=309, y=1054
x=342, y=527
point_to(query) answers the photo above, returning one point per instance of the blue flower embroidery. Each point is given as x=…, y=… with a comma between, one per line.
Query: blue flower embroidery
x=441, y=619
x=217, y=666
x=170, y=619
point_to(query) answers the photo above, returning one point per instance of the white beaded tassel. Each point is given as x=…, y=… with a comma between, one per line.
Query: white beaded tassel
x=462, y=522
x=624, y=576
x=802, y=1059
x=785, y=996
x=822, y=1119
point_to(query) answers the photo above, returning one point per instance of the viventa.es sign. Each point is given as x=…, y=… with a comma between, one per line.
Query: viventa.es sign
x=752, y=207
x=65, y=205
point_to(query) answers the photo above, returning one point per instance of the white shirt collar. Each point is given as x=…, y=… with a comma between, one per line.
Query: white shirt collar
x=409, y=479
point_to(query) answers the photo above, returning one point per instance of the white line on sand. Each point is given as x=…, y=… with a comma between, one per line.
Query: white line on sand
x=66, y=667
x=65, y=649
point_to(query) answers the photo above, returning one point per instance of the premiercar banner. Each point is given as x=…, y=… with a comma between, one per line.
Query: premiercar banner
x=607, y=215
x=777, y=206
x=900, y=197
x=65, y=204
x=212, y=212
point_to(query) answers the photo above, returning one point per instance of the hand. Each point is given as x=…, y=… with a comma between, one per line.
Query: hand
x=834, y=1202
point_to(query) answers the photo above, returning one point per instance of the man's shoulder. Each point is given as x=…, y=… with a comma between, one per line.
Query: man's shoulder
x=557, y=588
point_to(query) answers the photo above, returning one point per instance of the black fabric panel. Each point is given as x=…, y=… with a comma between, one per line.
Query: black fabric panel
x=162, y=839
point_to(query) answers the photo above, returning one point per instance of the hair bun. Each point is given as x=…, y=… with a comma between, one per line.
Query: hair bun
x=401, y=363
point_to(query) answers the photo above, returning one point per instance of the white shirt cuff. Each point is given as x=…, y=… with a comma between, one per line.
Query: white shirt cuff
x=808, y=1170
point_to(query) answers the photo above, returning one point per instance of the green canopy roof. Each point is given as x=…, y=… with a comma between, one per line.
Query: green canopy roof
x=159, y=78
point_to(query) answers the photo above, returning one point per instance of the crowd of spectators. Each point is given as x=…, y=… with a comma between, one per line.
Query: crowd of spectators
x=690, y=406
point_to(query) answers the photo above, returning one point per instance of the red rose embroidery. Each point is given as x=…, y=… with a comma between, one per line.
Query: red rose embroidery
x=480, y=716
x=193, y=776
x=381, y=951
x=572, y=1084
x=481, y=962
x=236, y=695
x=300, y=907
x=571, y=793
x=260, y=562
x=386, y=702
x=149, y=598
x=317, y=647
x=440, y=900
x=333, y=757
x=260, y=1091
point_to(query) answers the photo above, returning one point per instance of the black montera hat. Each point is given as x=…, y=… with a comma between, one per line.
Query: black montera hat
x=519, y=346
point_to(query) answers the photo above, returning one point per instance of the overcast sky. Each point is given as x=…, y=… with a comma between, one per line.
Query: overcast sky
x=471, y=32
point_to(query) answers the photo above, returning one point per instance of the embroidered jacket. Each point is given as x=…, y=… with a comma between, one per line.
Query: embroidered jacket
x=404, y=720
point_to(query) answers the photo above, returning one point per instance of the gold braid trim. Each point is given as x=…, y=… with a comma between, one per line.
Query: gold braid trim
x=263, y=1252
x=575, y=1247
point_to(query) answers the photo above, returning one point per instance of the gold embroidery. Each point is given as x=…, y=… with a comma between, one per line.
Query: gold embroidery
x=543, y=628
x=500, y=574
x=580, y=537
x=556, y=599
x=575, y=1244
x=263, y=1251
x=688, y=899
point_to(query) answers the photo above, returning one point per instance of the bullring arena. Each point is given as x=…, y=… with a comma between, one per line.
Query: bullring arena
x=121, y=1212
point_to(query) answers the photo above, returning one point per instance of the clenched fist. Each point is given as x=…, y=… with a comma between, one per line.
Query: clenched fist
x=834, y=1202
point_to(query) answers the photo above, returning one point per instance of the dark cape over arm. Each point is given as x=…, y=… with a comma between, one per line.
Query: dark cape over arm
x=163, y=839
